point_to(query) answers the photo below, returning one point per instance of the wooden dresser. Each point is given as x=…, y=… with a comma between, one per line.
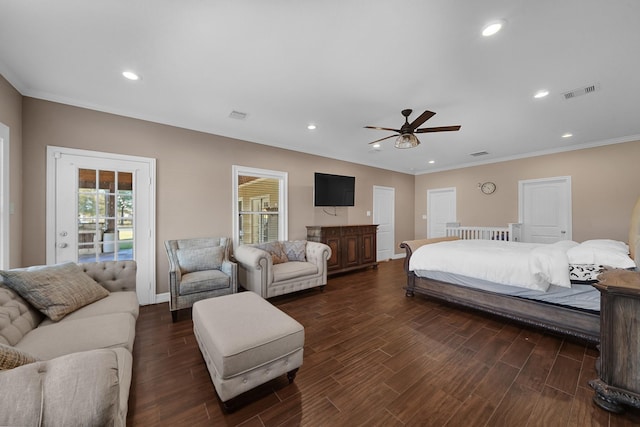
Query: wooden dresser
x=619, y=363
x=352, y=246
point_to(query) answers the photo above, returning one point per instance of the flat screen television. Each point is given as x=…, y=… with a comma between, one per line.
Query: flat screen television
x=333, y=190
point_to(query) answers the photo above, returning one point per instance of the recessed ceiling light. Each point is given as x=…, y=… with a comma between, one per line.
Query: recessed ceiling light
x=541, y=93
x=493, y=27
x=431, y=162
x=376, y=145
x=567, y=135
x=130, y=75
x=311, y=126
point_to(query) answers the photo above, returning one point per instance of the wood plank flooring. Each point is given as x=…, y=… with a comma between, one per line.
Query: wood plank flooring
x=374, y=357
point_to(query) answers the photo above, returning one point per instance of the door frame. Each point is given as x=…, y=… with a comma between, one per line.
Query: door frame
x=567, y=200
x=146, y=277
x=5, y=203
x=376, y=214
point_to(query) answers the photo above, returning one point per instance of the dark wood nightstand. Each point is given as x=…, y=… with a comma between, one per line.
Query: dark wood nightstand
x=619, y=363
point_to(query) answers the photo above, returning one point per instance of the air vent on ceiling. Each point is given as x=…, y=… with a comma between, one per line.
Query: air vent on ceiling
x=238, y=115
x=479, y=153
x=581, y=91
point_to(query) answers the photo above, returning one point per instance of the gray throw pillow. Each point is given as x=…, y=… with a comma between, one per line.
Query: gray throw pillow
x=55, y=290
x=296, y=250
x=11, y=357
x=199, y=259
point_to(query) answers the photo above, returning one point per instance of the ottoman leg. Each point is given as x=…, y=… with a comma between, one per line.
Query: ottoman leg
x=291, y=375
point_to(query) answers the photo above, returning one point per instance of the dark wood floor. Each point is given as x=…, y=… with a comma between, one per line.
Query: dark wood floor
x=377, y=358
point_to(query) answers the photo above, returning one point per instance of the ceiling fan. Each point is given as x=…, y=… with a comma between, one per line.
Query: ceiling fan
x=407, y=139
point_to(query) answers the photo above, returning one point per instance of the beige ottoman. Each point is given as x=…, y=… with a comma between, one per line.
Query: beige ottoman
x=245, y=342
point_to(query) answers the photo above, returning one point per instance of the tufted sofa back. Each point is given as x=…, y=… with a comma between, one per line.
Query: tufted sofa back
x=17, y=316
x=114, y=276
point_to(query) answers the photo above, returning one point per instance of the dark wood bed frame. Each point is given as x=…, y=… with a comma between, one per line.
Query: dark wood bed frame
x=568, y=321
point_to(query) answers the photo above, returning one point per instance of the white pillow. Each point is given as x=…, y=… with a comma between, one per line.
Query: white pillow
x=613, y=256
x=607, y=244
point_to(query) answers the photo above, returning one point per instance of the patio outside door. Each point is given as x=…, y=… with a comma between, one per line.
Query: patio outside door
x=103, y=212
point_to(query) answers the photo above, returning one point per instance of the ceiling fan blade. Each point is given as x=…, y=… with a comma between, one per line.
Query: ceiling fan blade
x=421, y=119
x=382, y=139
x=379, y=128
x=438, y=129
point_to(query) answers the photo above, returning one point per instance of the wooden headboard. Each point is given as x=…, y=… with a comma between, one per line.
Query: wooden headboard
x=634, y=231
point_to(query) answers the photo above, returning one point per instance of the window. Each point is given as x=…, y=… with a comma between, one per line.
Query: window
x=260, y=205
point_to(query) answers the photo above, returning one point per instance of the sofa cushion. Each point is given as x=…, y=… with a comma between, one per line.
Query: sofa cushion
x=55, y=290
x=57, y=339
x=17, y=317
x=85, y=388
x=294, y=269
x=199, y=259
x=116, y=302
x=296, y=250
x=202, y=281
x=11, y=357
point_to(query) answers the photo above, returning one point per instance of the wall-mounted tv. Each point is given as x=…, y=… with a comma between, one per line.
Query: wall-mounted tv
x=333, y=190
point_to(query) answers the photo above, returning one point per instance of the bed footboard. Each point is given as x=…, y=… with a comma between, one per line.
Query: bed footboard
x=410, y=247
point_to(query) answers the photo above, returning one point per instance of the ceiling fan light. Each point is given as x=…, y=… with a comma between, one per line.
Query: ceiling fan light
x=407, y=140
x=493, y=27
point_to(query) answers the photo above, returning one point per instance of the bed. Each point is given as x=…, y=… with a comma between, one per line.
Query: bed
x=534, y=307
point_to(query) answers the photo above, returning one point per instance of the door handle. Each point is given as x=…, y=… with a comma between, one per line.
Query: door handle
x=62, y=245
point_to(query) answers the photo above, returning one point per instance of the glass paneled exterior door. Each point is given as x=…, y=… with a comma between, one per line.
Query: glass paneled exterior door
x=105, y=215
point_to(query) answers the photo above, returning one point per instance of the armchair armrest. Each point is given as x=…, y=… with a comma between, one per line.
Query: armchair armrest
x=255, y=269
x=230, y=268
x=318, y=254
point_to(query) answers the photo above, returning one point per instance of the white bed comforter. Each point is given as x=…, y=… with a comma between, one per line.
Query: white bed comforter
x=527, y=265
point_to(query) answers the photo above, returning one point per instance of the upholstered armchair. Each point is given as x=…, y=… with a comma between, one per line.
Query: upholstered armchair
x=277, y=268
x=199, y=269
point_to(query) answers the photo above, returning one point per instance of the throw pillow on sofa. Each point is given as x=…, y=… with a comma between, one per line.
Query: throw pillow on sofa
x=55, y=290
x=11, y=357
x=276, y=249
x=296, y=250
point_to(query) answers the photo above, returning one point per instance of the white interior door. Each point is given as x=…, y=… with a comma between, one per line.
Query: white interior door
x=384, y=215
x=101, y=207
x=441, y=209
x=544, y=209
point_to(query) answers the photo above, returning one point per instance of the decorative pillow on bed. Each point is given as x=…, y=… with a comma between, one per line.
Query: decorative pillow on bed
x=584, y=273
x=601, y=252
x=11, y=357
x=296, y=250
x=55, y=290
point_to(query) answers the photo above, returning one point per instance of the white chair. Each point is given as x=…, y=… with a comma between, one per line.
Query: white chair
x=277, y=268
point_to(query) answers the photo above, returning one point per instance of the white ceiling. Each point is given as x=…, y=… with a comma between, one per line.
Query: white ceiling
x=342, y=65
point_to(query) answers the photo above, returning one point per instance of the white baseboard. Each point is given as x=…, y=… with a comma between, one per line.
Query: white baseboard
x=399, y=256
x=162, y=297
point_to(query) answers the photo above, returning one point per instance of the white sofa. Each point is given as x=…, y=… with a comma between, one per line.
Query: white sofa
x=281, y=267
x=84, y=362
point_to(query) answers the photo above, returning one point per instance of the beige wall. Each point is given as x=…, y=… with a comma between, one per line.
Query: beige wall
x=193, y=176
x=11, y=116
x=605, y=185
